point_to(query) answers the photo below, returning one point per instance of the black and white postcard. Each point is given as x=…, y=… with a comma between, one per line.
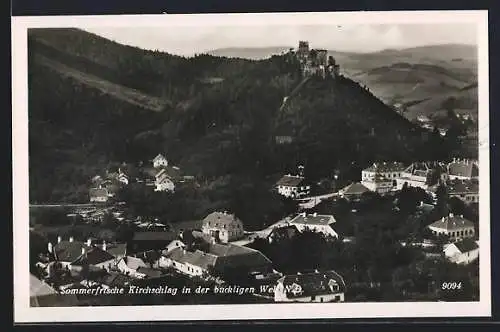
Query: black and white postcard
x=251, y=166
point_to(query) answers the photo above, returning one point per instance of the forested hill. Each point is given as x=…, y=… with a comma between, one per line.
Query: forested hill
x=93, y=101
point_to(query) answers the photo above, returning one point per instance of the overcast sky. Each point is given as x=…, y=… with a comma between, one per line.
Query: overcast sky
x=358, y=38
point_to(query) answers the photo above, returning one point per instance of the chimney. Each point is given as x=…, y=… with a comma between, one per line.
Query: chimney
x=49, y=247
x=89, y=242
x=461, y=216
x=83, y=250
x=315, y=214
x=59, y=239
x=70, y=239
x=104, y=245
x=421, y=203
x=442, y=219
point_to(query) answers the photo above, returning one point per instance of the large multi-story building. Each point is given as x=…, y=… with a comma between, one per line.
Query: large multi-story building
x=381, y=177
x=421, y=175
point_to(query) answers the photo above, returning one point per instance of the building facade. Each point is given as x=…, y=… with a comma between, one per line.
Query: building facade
x=293, y=186
x=223, y=227
x=463, y=169
x=160, y=161
x=326, y=286
x=465, y=190
x=315, y=222
x=455, y=227
x=462, y=252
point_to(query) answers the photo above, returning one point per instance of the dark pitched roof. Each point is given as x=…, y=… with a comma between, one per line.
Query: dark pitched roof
x=98, y=192
x=463, y=186
x=154, y=236
x=466, y=245
x=170, y=172
x=452, y=222
x=386, y=167
x=133, y=262
x=115, y=249
x=313, y=219
x=464, y=168
x=67, y=251
x=112, y=279
x=196, y=258
x=150, y=272
x=315, y=283
x=290, y=181
x=221, y=257
x=93, y=256
x=159, y=156
x=355, y=189
x=233, y=256
x=220, y=218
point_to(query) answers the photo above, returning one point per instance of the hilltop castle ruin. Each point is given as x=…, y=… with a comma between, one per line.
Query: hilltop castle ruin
x=316, y=61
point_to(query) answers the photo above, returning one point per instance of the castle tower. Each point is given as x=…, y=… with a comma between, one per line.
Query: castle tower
x=303, y=51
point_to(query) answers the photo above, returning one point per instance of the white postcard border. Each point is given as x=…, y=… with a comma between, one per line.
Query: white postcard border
x=24, y=314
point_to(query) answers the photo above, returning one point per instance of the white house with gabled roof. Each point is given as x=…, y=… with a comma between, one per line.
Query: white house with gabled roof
x=160, y=161
x=315, y=222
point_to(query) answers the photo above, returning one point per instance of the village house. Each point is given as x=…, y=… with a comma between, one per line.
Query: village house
x=160, y=161
x=354, y=191
x=463, y=170
x=196, y=263
x=465, y=190
x=117, y=250
x=166, y=178
x=145, y=241
x=327, y=286
x=293, y=186
x=66, y=252
x=462, y=252
x=99, y=195
x=93, y=258
x=129, y=265
x=75, y=256
x=316, y=223
x=173, y=245
x=122, y=177
x=223, y=226
x=455, y=227
x=222, y=259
